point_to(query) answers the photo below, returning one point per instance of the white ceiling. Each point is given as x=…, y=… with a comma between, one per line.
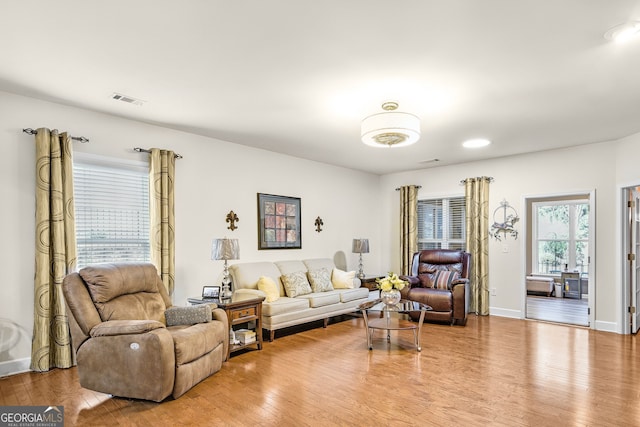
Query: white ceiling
x=298, y=76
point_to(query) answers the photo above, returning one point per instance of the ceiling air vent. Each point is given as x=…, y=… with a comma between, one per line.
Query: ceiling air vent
x=127, y=99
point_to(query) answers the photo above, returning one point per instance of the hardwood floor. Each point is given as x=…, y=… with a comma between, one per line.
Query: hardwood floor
x=494, y=371
x=560, y=310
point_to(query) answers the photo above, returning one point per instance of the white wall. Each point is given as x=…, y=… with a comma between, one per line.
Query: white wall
x=574, y=170
x=213, y=178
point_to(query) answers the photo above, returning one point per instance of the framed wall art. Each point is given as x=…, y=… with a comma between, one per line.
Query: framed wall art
x=279, y=222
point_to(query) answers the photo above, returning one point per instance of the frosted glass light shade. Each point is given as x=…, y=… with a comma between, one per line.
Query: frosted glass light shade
x=390, y=129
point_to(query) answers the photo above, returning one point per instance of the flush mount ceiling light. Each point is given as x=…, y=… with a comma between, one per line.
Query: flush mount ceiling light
x=390, y=128
x=623, y=32
x=476, y=143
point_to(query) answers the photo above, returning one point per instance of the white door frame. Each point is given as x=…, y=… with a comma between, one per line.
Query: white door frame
x=592, y=249
x=626, y=285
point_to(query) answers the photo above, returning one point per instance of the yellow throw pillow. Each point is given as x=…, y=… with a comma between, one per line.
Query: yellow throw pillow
x=269, y=287
x=342, y=279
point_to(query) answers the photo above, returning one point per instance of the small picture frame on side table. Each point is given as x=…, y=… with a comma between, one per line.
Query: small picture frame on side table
x=211, y=292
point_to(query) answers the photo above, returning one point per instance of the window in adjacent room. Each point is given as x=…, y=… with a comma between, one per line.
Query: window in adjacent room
x=561, y=236
x=441, y=223
x=111, y=209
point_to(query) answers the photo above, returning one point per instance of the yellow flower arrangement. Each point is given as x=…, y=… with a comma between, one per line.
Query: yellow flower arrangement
x=391, y=281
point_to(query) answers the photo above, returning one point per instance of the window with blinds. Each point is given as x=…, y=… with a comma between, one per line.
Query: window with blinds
x=441, y=223
x=112, y=211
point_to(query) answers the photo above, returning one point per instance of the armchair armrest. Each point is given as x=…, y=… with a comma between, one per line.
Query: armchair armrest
x=412, y=280
x=220, y=315
x=250, y=292
x=124, y=327
x=461, y=281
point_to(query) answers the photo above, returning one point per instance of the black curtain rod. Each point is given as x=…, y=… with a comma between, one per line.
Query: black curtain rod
x=417, y=186
x=75, y=138
x=142, y=150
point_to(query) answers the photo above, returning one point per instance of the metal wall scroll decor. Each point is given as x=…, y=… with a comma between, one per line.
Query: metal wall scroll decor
x=319, y=224
x=232, y=218
x=504, y=219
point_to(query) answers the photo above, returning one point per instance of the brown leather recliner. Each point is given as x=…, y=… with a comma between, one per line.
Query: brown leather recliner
x=128, y=339
x=450, y=301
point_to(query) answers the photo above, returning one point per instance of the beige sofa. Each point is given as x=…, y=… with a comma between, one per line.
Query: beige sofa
x=286, y=311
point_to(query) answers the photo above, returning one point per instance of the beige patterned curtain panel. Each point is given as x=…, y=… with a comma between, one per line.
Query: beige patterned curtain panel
x=477, y=239
x=162, y=214
x=55, y=251
x=408, y=225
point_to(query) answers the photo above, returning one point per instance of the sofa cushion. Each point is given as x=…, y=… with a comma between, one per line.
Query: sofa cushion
x=320, y=280
x=296, y=284
x=444, y=278
x=439, y=299
x=288, y=267
x=269, y=287
x=284, y=305
x=246, y=275
x=318, y=263
x=321, y=299
x=342, y=279
x=347, y=295
x=191, y=315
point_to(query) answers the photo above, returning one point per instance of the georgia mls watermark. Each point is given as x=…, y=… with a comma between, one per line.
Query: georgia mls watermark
x=31, y=416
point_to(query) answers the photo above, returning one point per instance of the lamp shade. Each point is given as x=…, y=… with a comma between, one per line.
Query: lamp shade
x=225, y=249
x=390, y=128
x=360, y=246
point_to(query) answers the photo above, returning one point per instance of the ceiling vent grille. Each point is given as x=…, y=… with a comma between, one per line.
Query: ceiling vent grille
x=127, y=99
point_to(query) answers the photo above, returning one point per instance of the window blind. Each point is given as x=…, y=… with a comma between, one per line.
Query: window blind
x=441, y=223
x=112, y=212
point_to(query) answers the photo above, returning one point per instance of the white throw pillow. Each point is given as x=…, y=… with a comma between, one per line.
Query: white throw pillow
x=342, y=279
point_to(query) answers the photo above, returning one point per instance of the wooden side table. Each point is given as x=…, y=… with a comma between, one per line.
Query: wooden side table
x=370, y=282
x=240, y=311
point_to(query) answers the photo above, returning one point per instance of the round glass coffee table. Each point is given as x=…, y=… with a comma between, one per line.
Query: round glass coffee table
x=390, y=318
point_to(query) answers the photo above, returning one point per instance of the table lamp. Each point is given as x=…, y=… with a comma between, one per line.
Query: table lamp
x=360, y=246
x=225, y=249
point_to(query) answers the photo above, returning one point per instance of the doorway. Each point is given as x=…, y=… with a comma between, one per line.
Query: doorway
x=560, y=230
x=632, y=264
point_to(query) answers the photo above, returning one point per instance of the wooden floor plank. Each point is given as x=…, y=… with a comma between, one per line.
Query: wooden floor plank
x=494, y=371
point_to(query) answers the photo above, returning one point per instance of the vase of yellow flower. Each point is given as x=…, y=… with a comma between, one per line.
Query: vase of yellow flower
x=390, y=287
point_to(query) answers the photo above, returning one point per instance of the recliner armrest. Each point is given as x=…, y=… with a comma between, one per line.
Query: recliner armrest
x=460, y=281
x=413, y=281
x=124, y=327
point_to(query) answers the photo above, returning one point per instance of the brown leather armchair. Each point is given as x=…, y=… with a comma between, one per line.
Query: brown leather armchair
x=449, y=298
x=128, y=339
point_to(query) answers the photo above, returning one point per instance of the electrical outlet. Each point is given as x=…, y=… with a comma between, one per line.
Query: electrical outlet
x=493, y=292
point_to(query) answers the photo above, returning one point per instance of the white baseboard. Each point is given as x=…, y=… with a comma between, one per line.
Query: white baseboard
x=12, y=367
x=607, y=327
x=505, y=312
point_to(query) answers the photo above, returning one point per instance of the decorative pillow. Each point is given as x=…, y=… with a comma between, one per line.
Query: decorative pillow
x=269, y=287
x=320, y=280
x=191, y=315
x=296, y=284
x=342, y=279
x=444, y=278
